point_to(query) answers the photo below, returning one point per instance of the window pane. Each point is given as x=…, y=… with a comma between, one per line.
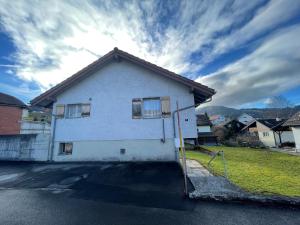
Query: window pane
x=136, y=108
x=74, y=111
x=151, y=108
x=85, y=109
x=165, y=106
x=60, y=110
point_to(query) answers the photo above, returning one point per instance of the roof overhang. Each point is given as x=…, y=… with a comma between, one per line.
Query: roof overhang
x=201, y=92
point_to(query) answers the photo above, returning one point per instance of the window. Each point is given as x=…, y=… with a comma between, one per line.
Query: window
x=60, y=110
x=265, y=134
x=165, y=106
x=137, y=108
x=85, y=109
x=78, y=110
x=151, y=108
x=66, y=148
x=73, y=111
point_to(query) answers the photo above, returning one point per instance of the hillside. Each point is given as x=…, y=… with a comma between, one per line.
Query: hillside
x=256, y=113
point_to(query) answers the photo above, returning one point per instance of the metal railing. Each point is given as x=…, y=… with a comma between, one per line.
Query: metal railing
x=219, y=153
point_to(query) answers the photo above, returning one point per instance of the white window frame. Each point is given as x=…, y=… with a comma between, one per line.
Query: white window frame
x=79, y=107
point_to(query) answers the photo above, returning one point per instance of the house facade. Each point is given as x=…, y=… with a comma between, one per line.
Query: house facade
x=121, y=108
x=294, y=123
x=270, y=132
x=12, y=110
x=204, y=129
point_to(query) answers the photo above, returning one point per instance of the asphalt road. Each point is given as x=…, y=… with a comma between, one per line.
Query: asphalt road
x=133, y=193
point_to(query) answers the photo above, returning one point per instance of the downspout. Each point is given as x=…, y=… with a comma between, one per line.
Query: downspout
x=179, y=110
x=163, y=140
x=52, y=139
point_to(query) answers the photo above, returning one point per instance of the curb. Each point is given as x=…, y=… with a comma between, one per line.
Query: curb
x=262, y=199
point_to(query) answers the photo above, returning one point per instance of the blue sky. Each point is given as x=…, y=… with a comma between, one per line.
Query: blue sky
x=247, y=50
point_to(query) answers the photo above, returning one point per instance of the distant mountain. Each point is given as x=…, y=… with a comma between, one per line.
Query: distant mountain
x=256, y=113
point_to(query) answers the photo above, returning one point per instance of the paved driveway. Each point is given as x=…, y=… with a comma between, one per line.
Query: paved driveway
x=120, y=193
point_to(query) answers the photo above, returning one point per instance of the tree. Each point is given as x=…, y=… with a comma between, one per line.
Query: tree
x=278, y=102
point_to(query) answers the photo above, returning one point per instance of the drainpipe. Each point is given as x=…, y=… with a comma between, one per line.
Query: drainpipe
x=50, y=155
x=163, y=140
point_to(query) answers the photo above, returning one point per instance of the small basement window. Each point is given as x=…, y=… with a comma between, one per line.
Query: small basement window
x=66, y=148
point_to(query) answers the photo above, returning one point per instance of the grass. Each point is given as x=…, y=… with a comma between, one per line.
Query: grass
x=256, y=170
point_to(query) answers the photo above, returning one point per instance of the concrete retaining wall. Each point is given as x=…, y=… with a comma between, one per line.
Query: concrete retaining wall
x=24, y=147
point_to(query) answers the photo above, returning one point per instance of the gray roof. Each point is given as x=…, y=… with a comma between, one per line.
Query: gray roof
x=8, y=100
x=293, y=121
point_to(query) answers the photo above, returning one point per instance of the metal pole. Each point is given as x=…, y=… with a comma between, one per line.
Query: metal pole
x=183, y=152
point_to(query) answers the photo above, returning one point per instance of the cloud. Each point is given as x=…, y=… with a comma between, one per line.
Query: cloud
x=55, y=39
x=272, y=68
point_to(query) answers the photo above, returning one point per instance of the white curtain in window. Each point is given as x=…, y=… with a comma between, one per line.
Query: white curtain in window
x=74, y=111
x=85, y=109
x=151, y=108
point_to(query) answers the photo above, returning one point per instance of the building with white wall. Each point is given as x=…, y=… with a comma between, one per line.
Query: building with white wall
x=121, y=108
x=294, y=123
x=270, y=132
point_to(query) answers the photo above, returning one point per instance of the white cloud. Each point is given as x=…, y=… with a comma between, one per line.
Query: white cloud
x=55, y=39
x=272, y=68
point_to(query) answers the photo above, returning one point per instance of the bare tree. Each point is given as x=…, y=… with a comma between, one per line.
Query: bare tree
x=278, y=102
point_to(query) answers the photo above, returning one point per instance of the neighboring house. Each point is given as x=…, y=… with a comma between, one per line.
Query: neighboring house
x=205, y=134
x=121, y=108
x=270, y=132
x=12, y=110
x=294, y=123
x=217, y=119
x=37, y=121
x=245, y=119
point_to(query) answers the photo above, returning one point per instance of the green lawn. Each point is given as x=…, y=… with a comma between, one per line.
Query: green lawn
x=256, y=170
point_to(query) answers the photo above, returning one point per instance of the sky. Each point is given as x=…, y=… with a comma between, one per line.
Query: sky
x=248, y=51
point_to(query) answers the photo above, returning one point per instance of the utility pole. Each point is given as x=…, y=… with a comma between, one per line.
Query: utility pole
x=182, y=152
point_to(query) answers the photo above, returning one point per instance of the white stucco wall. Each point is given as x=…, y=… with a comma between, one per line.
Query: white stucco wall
x=296, y=133
x=203, y=129
x=273, y=139
x=111, y=91
x=267, y=140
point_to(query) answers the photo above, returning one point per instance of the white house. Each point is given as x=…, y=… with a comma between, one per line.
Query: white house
x=121, y=108
x=204, y=129
x=294, y=123
x=203, y=124
x=245, y=118
x=270, y=132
